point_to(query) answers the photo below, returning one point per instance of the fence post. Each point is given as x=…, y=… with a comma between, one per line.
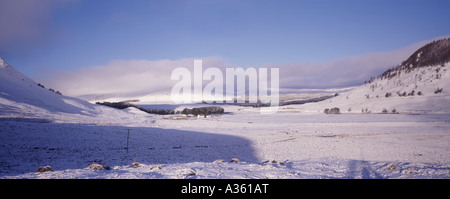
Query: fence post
x=128, y=138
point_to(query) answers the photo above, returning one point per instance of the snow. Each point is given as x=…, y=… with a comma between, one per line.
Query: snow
x=3, y=64
x=40, y=128
x=305, y=146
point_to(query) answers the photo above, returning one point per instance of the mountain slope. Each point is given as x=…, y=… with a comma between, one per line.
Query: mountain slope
x=420, y=84
x=21, y=97
x=436, y=53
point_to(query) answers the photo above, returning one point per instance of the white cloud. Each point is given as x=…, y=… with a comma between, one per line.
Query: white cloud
x=125, y=77
x=343, y=72
x=143, y=77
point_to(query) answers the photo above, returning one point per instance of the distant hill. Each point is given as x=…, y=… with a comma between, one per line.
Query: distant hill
x=420, y=84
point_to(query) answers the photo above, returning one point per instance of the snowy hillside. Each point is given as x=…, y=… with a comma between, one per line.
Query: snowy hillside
x=21, y=97
x=411, y=87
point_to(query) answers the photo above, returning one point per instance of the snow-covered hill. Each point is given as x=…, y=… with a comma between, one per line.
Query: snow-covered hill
x=21, y=97
x=411, y=87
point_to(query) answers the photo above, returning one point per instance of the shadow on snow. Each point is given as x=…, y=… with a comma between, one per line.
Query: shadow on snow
x=27, y=146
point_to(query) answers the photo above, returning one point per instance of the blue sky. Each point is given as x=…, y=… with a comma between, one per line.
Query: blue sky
x=68, y=35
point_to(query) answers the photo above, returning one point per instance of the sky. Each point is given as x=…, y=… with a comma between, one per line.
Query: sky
x=316, y=43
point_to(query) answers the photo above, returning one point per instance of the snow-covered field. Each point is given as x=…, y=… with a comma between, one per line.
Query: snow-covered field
x=288, y=144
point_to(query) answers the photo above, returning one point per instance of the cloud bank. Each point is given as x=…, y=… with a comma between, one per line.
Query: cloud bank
x=124, y=77
x=143, y=77
x=343, y=72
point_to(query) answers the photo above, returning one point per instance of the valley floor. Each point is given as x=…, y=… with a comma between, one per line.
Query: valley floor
x=288, y=144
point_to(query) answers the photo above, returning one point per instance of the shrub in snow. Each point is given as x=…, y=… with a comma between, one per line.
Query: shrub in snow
x=190, y=173
x=235, y=160
x=155, y=167
x=365, y=110
x=96, y=167
x=438, y=90
x=384, y=110
x=390, y=167
x=51, y=89
x=334, y=110
x=44, y=169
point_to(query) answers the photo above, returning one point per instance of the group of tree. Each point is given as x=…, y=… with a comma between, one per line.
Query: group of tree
x=50, y=89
